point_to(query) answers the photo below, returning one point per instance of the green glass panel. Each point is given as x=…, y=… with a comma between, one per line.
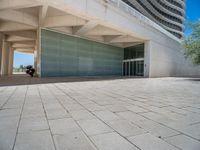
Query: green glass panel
x=64, y=55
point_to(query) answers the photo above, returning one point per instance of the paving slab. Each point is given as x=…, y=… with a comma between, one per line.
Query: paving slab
x=57, y=114
x=41, y=140
x=94, y=126
x=33, y=124
x=73, y=141
x=150, y=142
x=82, y=115
x=184, y=142
x=106, y=115
x=112, y=141
x=63, y=126
x=125, y=128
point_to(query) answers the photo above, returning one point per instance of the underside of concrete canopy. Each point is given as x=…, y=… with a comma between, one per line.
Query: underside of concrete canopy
x=103, y=21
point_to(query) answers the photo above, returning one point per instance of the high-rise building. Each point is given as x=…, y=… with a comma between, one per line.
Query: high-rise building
x=96, y=37
x=167, y=13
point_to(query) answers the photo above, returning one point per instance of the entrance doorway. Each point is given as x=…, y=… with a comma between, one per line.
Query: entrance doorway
x=134, y=67
x=133, y=63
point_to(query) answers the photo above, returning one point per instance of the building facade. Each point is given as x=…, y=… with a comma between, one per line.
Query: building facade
x=167, y=13
x=96, y=37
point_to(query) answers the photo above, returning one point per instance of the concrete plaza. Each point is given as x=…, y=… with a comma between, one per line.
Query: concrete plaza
x=90, y=114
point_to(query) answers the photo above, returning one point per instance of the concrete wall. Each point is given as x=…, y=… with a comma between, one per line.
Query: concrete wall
x=63, y=55
x=168, y=60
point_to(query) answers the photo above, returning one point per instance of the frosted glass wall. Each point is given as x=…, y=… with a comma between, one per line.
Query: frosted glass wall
x=64, y=55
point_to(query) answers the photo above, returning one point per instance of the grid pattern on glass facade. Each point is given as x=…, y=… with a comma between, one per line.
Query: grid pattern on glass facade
x=134, y=52
x=64, y=55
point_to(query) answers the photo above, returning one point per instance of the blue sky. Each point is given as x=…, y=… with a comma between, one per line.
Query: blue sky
x=192, y=10
x=23, y=59
x=192, y=14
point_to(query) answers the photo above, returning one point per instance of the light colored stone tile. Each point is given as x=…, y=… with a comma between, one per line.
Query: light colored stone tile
x=106, y=115
x=33, y=124
x=73, y=141
x=73, y=107
x=150, y=142
x=116, y=108
x=10, y=112
x=8, y=130
x=156, y=128
x=34, y=141
x=157, y=117
x=192, y=131
x=184, y=142
x=94, y=126
x=33, y=110
x=136, y=109
x=125, y=128
x=82, y=115
x=7, y=138
x=57, y=114
x=14, y=104
x=7, y=123
x=52, y=106
x=112, y=141
x=33, y=114
x=132, y=117
x=63, y=126
x=94, y=107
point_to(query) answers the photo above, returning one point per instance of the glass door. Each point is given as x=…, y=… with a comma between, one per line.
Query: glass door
x=133, y=68
x=126, y=68
x=139, y=70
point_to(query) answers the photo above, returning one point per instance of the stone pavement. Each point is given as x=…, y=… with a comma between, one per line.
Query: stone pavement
x=110, y=114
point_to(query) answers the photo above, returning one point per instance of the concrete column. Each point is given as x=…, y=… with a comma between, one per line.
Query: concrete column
x=5, y=58
x=35, y=59
x=37, y=53
x=10, y=63
x=1, y=46
x=147, y=48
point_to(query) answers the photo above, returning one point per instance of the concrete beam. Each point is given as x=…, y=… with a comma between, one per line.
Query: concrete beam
x=108, y=38
x=13, y=26
x=26, y=34
x=95, y=38
x=131, y=44
x=24, y=42
x=43, y=14
x=101, y=30
x=20, y=17
x=18, y=4
x=62, y=21
x=14, y=38
x=17, y=45
x=25, y=48
x=124, y=39
x=85, y=28
x=67, y=30
x=29, y=51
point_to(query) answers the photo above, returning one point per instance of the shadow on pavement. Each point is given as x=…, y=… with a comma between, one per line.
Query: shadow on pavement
x=27, y=80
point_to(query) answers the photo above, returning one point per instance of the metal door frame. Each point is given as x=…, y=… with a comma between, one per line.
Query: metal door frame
x=129, y=62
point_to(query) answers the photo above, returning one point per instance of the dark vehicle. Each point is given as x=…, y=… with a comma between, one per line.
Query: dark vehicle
x=30, y=70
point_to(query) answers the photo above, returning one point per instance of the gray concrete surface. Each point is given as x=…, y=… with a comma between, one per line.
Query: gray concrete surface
x=99, y=114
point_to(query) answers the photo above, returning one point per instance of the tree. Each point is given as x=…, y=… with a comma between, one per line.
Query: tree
x=192, y=43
